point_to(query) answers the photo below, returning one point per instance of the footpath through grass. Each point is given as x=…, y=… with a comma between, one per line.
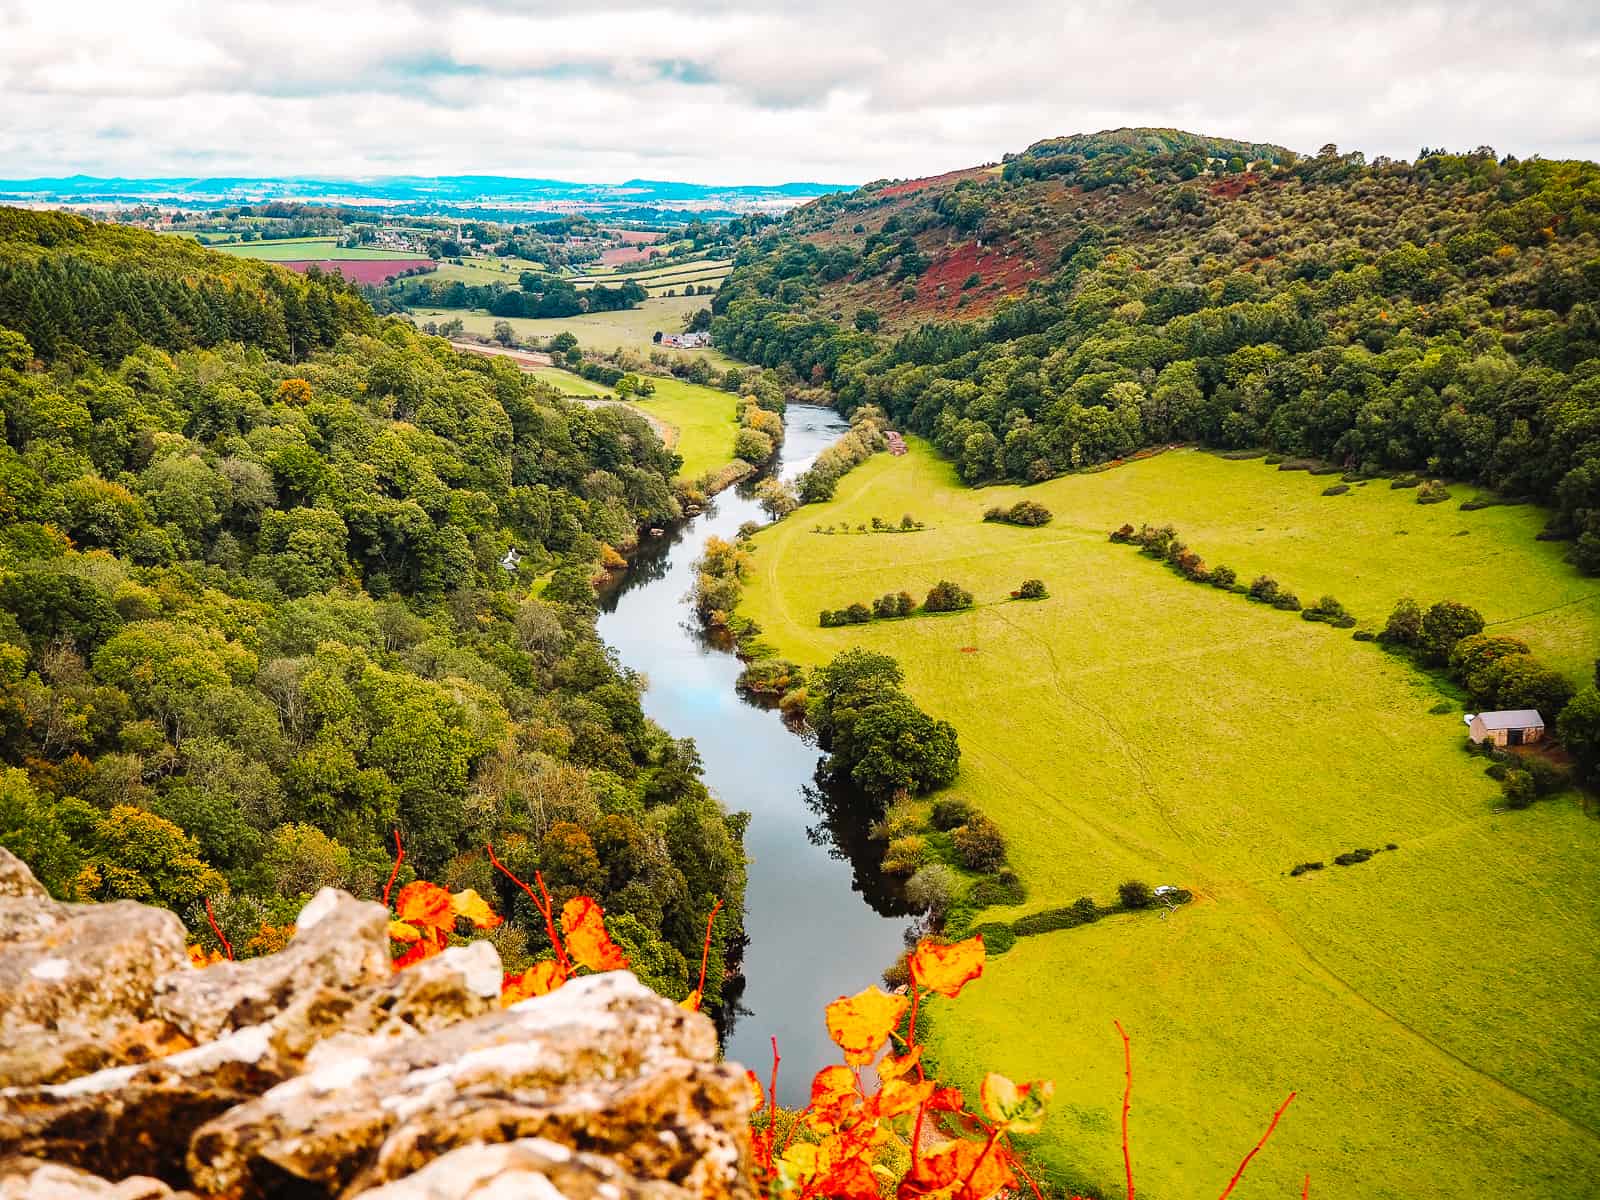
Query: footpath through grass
x=1436, y=1008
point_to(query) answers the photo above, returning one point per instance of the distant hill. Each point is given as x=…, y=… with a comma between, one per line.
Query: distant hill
x=411, y=190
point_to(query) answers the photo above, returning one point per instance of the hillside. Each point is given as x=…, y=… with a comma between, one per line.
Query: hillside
x=1438, y=316
x=278, y=579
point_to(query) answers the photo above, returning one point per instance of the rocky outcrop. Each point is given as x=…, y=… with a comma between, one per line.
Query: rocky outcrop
x=321, y=1071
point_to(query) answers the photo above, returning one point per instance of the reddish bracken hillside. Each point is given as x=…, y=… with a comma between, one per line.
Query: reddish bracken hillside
x=363, y=270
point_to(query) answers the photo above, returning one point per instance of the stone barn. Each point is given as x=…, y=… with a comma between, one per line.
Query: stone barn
x=1508, y=727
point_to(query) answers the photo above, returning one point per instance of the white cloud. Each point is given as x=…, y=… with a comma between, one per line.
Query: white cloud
x=761, y=92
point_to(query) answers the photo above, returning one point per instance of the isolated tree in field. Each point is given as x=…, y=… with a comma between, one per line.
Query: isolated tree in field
x=1135, y=893
x=504, y=334
x=945, y=596
x=777, y=498
x=1445, y=624
x=1404, y=627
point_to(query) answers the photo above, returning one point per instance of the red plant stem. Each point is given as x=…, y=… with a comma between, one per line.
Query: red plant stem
x=545, y=906
x=1127, y=1093
x=1305, y=1190
x=1023, y=1171
x=705, y=950
x=772, y=1110
x=994, y=1136
x=1227, y=1191
x=210, y=917
x=916, y=1137
x=399, y=857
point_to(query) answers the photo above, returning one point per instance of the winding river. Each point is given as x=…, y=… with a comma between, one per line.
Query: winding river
x=819, y=919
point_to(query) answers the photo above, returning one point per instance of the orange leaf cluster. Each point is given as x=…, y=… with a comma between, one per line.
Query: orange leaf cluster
x=850, y=1128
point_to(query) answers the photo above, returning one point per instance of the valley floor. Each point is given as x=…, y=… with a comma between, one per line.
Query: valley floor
x=1436, y=1008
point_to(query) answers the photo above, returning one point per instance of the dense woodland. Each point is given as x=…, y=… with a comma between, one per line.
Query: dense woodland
x=1440, y=316
x=256, y=611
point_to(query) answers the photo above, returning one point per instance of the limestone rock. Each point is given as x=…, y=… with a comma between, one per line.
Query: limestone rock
x=340, y=942
x=528, y=1169
x=74, y=978
x=602, y=1063
x=32, y=1179
x=139, y=1119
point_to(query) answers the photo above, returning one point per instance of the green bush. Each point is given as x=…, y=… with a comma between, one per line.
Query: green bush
x=1302, y=868
x=1135, y=893
x=1001, y=888
x=905, y=855
x=1023, y=512
x=1032, y=589
x=951, y=812
x=1432, y=492
x=1337, y=489
x=997, y=937
x=945, y=596
x=1519, y=789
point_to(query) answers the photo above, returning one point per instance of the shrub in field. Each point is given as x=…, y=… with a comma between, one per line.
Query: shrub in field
x=1023, y=512
x=945, y=596
x=858, y=614
x=1032, y=589
x=951, y=812
x=1265, y=589
x=1302, y=868
x=1123, y=534
x=933, y=889
x=1337, y=489
x=905, y=855
x=980, y=846
x=1287, y=601
x=1432, y=492
x=1351, y=857
x=1223, y=577
x=1085, y=909
x=1331, y=612
x=1135, y=893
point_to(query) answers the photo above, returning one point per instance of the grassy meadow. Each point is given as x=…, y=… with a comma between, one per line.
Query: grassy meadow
x=1434, y=1007
x=702, y=421
x=629, y=329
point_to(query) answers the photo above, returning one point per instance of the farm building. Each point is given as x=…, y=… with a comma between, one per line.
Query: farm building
x=686, y=341
x=1508, y=727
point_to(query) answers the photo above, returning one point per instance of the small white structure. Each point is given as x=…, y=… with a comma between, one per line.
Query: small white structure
x=1506, y=727
x=1166, y=889
x=510, y=561
x=686, y=341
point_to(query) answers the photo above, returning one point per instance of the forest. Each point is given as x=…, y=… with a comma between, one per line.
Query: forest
x=1439, y=316
x=259, y=611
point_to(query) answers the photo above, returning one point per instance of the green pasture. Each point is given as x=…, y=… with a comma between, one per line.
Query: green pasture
x=1434, y=1007
x=702, y=421
x=296, y=249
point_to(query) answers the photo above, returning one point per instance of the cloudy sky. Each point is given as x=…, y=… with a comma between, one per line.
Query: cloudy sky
x=832, y=90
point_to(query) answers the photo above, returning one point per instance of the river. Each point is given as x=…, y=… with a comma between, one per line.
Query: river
x=819, y=919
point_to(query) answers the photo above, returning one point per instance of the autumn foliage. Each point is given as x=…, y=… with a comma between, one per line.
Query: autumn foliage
x=875, y=1125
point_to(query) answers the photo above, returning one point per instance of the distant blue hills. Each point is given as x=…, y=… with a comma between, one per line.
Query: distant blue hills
x=405, y=189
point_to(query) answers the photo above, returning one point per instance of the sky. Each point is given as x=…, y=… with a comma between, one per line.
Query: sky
x=837, y=91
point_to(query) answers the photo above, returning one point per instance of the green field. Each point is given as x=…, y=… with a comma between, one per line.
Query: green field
x=628, y=329
x=702, y=420
x=297, y=249
x=1436, y=1008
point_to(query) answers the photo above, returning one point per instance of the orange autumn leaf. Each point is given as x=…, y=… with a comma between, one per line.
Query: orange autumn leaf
x=833, y=1094
x=897, y=1097
x=898, y=1068
x=947, y=969
x=862, y=1023
x=204, y=958
x=475, y=908
x=538, y=980
x=427, y=904
x=584, y=924
x=851, y=1179
x=960, y=1169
